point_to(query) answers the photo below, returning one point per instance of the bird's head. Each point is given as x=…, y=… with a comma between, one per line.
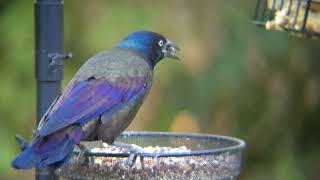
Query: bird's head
x=152, y=45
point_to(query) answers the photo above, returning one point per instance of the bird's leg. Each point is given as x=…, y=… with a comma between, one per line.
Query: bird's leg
x=135, y=151
x=81, y=158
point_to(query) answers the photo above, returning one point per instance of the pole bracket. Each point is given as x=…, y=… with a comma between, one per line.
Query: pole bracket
x=57, y=59
x=22, y=142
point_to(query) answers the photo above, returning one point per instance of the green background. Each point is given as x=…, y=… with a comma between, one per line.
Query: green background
x=234, y=78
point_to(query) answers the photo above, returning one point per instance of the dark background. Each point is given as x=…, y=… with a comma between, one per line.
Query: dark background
x=234, y=78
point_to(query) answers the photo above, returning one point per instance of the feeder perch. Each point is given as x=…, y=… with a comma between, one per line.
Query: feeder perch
x=166, y=156
x=299, y=16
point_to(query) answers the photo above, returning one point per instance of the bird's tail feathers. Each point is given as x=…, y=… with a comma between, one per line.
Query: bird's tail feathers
x=54, y=157
x=25, y=160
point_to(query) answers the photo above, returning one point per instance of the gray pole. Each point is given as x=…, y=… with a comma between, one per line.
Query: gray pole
x=48, y=48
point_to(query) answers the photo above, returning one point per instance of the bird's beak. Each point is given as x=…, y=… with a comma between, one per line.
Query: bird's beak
x=169, y=50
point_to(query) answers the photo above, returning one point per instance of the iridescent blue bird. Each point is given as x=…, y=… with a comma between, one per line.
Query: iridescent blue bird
x=99, y=102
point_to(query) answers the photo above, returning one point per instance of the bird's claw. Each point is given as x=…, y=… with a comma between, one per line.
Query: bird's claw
x=133, y=158
x=82, y=159
x=135, y=151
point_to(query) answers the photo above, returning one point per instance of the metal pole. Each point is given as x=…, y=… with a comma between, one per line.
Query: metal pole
x=48, y=40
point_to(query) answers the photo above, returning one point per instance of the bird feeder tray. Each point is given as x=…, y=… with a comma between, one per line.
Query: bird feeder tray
x=165, y=156
x=299, y=16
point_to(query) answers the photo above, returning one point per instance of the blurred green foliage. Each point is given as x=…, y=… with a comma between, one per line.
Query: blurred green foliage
x=234, y=78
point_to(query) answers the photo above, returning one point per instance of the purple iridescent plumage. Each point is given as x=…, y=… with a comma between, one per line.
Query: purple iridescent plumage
x=84, y=101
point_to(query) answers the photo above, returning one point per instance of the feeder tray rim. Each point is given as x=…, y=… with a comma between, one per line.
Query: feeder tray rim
x=239, y=145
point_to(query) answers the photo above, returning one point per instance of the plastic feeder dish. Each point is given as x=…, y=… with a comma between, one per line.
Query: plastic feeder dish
x=163, y=156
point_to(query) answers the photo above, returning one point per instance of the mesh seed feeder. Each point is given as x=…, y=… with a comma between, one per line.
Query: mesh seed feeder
x=299, y=16
x=166, y=156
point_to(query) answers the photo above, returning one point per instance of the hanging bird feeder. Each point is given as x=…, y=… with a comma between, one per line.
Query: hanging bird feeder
x=298, y=16
x=165, y=156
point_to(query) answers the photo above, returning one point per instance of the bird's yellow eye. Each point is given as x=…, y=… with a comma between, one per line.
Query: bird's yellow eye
x=160, y=43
